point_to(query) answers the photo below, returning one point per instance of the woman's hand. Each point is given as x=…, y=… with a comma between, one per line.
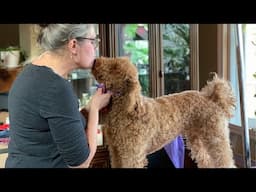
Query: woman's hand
x=99, y=99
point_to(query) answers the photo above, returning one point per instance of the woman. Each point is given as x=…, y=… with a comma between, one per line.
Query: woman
x=46, y=127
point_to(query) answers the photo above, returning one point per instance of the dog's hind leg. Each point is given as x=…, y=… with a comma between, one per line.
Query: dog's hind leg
x=213, y=149
x=218, y=145
x=134, y=161
x=131, y=158
x=199, y=153
x=220, y=151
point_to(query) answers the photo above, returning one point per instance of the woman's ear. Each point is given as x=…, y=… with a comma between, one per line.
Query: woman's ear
x=72, y=46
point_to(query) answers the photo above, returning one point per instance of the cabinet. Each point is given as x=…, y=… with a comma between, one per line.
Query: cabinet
x=101, y=158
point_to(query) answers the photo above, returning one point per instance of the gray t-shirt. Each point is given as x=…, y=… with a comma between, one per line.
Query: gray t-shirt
x=46, y=127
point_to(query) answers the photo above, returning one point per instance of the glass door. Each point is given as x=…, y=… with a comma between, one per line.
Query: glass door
x=176, y=57
x=133, y=42
x=166, y=55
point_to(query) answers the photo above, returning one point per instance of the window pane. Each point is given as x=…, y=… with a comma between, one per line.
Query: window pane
x=236, y=119
x=176, y=57
x=250, y=58
x=249, y=48
x=133, y=42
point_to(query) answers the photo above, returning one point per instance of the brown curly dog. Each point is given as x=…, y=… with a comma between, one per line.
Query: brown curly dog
x=136, y=126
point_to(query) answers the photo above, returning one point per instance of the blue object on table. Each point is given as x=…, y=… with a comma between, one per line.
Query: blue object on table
x=176, y=151
x=4, y=133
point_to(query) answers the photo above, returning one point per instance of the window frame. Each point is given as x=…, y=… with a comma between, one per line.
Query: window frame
x=109, y=38
x=224, y=69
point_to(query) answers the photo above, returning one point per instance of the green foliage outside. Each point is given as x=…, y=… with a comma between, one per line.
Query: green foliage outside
x=176, y=50
x=137, y=50
x=176, y=47
x=144, y=82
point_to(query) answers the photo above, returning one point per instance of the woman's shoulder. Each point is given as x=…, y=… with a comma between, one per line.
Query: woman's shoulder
x=44, y=73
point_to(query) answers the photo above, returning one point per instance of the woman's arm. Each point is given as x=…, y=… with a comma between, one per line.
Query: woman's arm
x=99, y=100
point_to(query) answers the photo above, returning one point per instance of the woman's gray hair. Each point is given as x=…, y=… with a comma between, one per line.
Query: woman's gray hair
x=54, y=36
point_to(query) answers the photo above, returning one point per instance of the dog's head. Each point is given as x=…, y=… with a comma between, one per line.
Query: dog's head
x=118, y=74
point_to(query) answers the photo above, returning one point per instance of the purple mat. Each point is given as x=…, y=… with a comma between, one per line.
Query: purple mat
x=176, y=152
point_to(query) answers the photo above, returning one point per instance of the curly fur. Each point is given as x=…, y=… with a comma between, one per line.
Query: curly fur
x=136, y=126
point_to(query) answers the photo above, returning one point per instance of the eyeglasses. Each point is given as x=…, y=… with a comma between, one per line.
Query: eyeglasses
x=94, y=41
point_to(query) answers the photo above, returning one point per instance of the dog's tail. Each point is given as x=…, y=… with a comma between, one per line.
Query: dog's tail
x=220, y=91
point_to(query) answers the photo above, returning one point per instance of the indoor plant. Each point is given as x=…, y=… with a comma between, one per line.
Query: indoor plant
x=12, y=56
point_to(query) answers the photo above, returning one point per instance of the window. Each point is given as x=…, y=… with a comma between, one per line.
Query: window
x=133, y=43
x=151, y=48
x=176, y=57
x=247, y=46
x=250, y=58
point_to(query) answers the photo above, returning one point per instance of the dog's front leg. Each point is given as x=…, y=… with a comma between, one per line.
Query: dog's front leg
x=127, y=158
x=134, y=161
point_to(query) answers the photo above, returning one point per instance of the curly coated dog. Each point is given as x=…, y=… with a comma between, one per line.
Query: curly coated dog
x=136, y=126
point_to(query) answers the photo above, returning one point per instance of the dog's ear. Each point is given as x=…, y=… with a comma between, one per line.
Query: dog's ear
x=129, y=79
x=131, y=74
x=131, y=82
x=134, y=106
x=133, y=89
